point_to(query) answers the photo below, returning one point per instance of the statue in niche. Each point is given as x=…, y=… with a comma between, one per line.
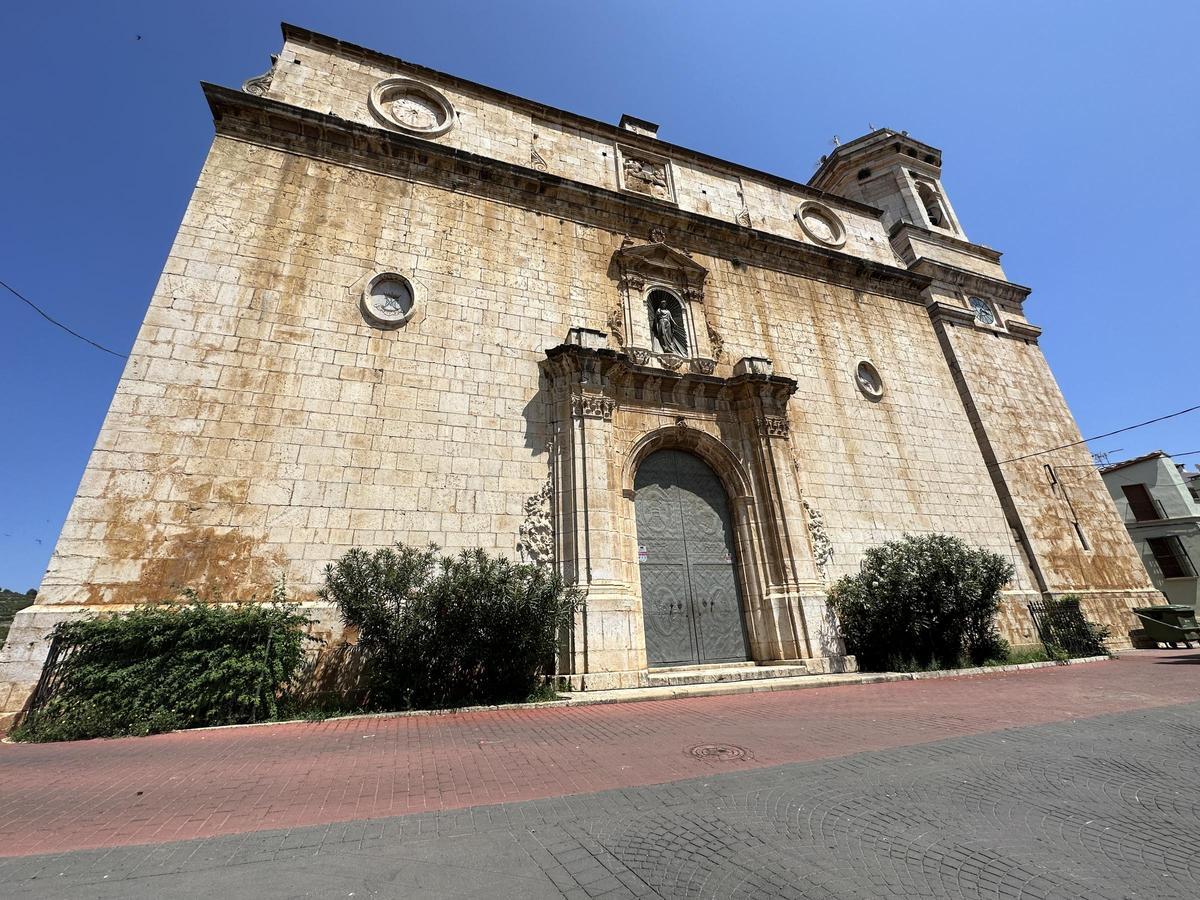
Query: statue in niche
x=666, y=324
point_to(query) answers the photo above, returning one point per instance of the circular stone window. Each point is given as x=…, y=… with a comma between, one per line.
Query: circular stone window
x=866, y=376
x=821, y=224
x=412, y=107
x=387, y=301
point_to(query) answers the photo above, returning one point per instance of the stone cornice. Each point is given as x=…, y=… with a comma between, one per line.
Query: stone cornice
x=944, y=240
x=1026, y=330
x=953, y=314
x=296, y=130
x=948, y=312
x=971, y=282
x=551, y=113
x=615, y=374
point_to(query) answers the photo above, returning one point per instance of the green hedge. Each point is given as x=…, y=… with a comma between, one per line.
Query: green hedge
x=441, y=632
x=921, y=602
x=165, y=667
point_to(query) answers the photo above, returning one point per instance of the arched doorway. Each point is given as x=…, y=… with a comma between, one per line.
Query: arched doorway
x=691, y=606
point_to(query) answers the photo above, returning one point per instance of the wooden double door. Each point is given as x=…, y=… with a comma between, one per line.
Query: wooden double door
x=691, y=604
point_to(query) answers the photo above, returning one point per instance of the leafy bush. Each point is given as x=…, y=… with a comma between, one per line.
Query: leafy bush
x=450, y=631
x=1015, y=657
x=922, y=602
x=163, y=667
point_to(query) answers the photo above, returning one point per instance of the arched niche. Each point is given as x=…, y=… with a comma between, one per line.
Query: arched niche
x=646, y=276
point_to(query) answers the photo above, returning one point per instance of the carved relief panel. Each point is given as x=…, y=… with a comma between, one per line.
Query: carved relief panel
x=649, y=174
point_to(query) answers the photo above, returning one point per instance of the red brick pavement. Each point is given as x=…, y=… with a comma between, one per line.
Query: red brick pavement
x=103, y=793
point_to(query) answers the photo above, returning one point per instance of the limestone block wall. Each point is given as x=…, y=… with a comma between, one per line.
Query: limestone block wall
x=321, y=74
x=1022, y=411
x=873, y=469
x=262, y=427
x=265, y=425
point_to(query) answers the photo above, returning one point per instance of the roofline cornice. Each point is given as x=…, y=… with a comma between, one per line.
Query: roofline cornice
x=843, y=153
x=997, y=288
x=631, y=138
x=323, y=136
x=947, y=240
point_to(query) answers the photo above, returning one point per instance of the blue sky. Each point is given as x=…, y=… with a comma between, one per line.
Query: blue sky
x=1068, y=132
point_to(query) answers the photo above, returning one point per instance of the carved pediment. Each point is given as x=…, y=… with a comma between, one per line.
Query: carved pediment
x=660, y=262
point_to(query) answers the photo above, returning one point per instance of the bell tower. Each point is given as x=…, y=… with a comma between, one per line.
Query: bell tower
x=1067, y=538
x=897, y=174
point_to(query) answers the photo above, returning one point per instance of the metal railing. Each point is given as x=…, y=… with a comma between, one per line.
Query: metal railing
x=250, y=709
x=1131, y=516
x=1060, y=623
x=52, y=671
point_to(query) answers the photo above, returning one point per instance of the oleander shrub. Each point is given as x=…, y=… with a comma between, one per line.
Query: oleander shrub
x=442, y=631
x=184, y=664
x=921, y=602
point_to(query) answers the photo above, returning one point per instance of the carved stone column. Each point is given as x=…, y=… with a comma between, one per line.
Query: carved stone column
x=781, y=621
x=605, y=649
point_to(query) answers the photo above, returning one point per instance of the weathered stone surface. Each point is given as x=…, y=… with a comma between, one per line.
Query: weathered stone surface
x=263, y=425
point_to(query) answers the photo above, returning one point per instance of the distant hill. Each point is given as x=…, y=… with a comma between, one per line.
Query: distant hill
x=10, y=602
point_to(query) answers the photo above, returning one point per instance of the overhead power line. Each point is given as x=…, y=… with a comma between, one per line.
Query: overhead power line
x=1095, y=465
x=54, y=321
x=1099, y=436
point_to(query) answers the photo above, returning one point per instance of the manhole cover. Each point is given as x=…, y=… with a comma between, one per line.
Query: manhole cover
x=720, y=752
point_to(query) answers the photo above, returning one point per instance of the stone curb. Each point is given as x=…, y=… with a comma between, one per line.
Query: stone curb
x=648, y=694
x=642, y=695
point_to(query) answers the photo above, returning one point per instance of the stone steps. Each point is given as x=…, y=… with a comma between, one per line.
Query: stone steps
x=678, y=676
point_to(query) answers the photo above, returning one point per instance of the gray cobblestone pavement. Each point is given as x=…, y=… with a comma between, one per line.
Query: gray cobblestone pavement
x=1096, y=808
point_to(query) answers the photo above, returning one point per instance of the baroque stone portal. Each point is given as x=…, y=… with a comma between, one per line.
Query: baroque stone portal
x=609, y=417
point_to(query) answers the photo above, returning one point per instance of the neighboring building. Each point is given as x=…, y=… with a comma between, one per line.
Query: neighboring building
x=1192, y=480
x=1162, y=514
x=402, y=305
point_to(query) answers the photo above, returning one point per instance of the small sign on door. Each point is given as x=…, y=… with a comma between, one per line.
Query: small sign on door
x=642, y=554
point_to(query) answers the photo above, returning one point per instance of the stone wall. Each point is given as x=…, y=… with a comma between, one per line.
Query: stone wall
x=1057, y=500
x=263, y=426
x=331, y=77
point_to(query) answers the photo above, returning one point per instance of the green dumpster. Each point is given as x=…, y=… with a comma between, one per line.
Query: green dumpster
x=1169, y=624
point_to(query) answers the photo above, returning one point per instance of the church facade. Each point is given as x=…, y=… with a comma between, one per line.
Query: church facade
x=404, y=306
